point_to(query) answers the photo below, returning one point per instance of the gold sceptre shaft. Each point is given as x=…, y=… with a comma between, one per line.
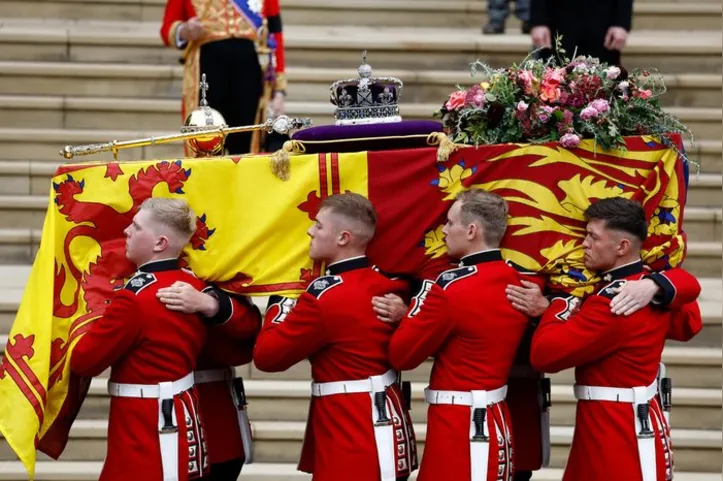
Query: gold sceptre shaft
x=281, y=125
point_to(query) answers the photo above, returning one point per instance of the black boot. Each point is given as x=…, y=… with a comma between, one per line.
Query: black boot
x=493, y=29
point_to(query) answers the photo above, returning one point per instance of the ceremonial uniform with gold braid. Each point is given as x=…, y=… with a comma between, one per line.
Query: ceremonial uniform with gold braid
x=242, y=55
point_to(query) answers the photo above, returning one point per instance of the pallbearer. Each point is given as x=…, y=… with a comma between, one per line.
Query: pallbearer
x=465, y=322
x=359, y=428
x=154, y=431
x=621, y=431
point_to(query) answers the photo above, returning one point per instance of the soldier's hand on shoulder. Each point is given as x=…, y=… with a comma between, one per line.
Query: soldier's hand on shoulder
x=527, y=298
x=182, y=297
x=633, y=296
x=390, y=308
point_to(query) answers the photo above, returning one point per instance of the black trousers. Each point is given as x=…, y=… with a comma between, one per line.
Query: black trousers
x=227, y=471
x=592, y=44
x=522, y=475
x=235, y=85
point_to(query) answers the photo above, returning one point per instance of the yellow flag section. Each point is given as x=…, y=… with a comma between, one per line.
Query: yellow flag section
x=250, y=238
x=25, y=367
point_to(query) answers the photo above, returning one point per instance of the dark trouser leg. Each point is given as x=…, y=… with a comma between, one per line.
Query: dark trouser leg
x=403, y=478
x=522, y=10
x=227, y=471
x=522, y=475
x=235, y=85
x=498, y=11
x=244, y=95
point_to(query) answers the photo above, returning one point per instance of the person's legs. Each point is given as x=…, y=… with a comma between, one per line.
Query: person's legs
x=226, y=471
x=522, y=476
x=522, y=11
x=498, y=11
x=245, y=89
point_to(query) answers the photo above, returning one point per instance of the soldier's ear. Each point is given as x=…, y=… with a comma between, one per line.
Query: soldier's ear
x=624, y=246
x=162, y=243
x=344, y=238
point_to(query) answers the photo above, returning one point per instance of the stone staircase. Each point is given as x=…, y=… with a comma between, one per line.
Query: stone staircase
x=80, y=71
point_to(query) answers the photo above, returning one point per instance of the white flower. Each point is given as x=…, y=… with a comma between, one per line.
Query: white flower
x=612, y=73
x=623, y=85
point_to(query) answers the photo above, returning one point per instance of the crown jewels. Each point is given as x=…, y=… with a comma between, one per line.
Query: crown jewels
x=367, y=99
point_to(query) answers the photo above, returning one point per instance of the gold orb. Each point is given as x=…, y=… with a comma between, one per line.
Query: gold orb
x=200, y=120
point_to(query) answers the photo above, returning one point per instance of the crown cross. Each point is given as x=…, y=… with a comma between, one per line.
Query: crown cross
x=203, y=86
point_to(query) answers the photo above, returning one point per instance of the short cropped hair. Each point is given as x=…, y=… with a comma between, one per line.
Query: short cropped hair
x=173, y=213
x=620, y=214
x=356, y=208
x=487, y=209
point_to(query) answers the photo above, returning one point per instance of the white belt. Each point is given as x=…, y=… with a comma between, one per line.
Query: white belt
x=321, y=389
x=150, y=391
x=383, y=430
x=214, y=375
x=479, y=450
x=462, y=398
x=613, y=394
x=167, y=429
x=636, y=396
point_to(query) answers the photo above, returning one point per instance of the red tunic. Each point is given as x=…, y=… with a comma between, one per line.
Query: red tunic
x=333, y=324
x=145, y=343
x=230, y=343
x=473, y=332
x=613, y=351
x=222, y=20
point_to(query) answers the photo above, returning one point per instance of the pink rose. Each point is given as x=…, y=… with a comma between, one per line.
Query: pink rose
x=570, y=141
x=554, y=76
x=645, y=94
x=522, y=106
x=549, y=92
x=528, y=81
x=601, y=105
x=567, y=117
x=588, y=113
x=456, y=100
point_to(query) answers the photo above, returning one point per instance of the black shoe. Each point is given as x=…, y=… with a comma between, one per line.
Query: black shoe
x=526, y=28
x=493, y=29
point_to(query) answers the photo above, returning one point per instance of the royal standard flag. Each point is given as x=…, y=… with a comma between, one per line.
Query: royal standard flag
x=251, y=237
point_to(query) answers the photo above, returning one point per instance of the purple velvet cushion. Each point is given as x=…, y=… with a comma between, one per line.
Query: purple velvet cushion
x=406, y=134
x=338, y=132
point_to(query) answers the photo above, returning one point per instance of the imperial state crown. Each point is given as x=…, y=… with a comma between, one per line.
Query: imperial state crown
x=366, y=99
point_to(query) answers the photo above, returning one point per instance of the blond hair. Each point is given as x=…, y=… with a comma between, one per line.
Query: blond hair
x=356, y=208
x=487, y=209
x=173, y=213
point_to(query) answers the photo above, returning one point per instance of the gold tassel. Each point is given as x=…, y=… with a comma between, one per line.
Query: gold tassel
x=446, y=146
x=281, y=159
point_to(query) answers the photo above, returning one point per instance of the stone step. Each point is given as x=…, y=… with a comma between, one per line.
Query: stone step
x=90, y=470
x=702, y=224
x=44, y=145
x=14, y=277
x=280, y=442
x=271, y=400
x=396, y=13
x=691, y=367
x=60, y=112
x=305, y=84
x=27, y=177
x=331, y=46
